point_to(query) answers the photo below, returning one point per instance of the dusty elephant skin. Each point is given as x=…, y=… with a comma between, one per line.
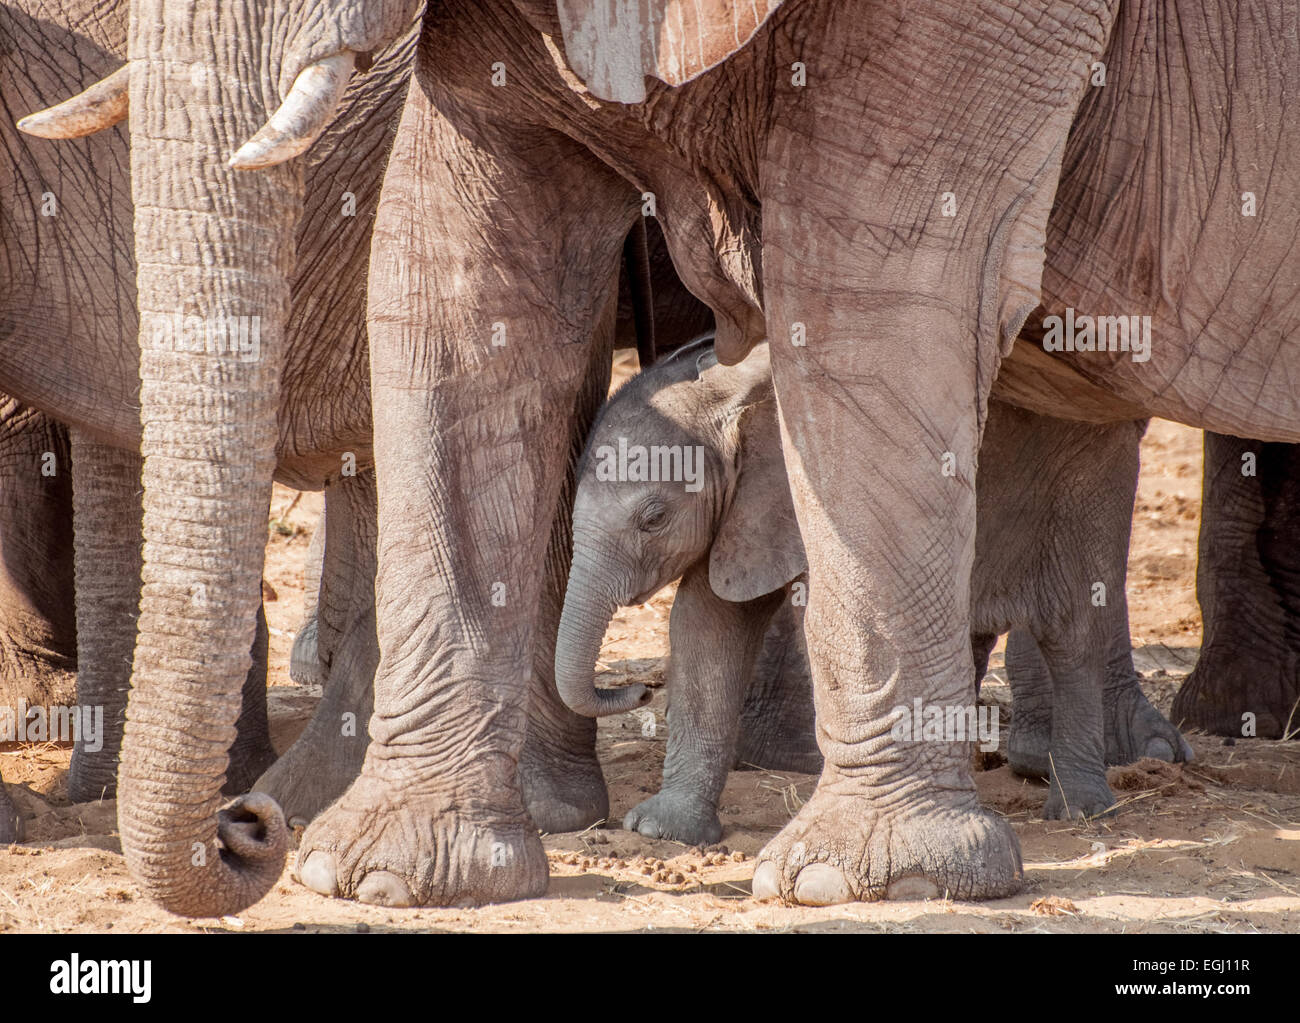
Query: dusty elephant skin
x=323, y=420
x=69, y=324
x=38, y=649
x=323, y=416
x=450, y=646
x=504, y=212
x=735, y=542
x=1247, y=677
x=473, y=176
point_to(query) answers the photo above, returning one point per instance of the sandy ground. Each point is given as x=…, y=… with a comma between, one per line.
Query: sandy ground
x=1211, y=847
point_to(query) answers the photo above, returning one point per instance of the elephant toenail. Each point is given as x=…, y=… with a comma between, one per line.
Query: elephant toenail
x=319, y=873
x=767, y=881
x=381, y=888
x=820, y=884
x=904, y=889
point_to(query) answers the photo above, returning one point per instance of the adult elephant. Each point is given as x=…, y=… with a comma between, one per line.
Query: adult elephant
x=816, y=184
x=297, y=403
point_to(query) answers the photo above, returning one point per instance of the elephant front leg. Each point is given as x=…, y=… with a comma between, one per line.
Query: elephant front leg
x=714, y=645
x=492, y=260
x=883, y=474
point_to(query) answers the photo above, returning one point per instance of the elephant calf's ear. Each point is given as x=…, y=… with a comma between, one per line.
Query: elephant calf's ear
x=758, y=548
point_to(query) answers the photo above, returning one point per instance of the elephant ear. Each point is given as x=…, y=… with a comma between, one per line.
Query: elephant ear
x=757, y=548
x=613, y=44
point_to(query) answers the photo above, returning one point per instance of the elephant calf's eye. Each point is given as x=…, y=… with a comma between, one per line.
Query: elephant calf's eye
x=653, y=516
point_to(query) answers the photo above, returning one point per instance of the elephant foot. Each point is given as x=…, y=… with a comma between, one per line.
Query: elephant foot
x=1078, y=794
x=390, y=840
x=313, y=772
x=839, y=848
x=1135, y=729
x=676, y=816
x=11, y=825
x=1237, y=693
x=1027, y=749
x=563, y=793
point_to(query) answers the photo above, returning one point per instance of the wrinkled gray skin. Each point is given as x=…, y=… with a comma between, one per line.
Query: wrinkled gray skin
x=38, y=649
x=737, y=549
x=1247, y=677
x=337, y=644
x=68, y=324
x=70, y=330
x=510, y=206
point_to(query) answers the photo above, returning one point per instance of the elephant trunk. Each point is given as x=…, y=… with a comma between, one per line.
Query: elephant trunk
x=588, y=609
x=214, y=251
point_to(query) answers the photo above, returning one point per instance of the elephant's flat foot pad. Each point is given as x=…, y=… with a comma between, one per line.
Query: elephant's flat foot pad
x=388, y=845
x=838, y=849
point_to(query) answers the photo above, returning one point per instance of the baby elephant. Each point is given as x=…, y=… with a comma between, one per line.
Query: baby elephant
x=683, y=477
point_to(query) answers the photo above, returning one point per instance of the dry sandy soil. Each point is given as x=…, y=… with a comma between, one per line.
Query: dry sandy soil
x=1214, y=846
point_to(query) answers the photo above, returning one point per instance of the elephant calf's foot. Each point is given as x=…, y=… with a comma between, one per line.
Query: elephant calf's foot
x=839, y=848
x=564, y=794
x=677, y=816
x=1135, y=729
x=391, y=841
x=1078, y=794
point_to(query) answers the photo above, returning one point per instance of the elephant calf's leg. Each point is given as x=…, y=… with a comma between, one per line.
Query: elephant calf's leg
x=715, y=644
x=1076, y=769
x=1031, y=706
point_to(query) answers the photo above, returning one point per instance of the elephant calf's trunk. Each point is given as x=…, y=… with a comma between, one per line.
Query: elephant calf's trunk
x=577, y=648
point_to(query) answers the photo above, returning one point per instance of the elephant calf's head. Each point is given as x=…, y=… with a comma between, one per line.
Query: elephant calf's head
x=683, y=463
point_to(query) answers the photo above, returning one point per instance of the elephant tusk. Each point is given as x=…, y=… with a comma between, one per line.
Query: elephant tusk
x=99, y=107
x=301, y=117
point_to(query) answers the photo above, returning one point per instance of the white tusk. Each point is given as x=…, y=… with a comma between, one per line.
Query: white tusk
x=302, y=116
x=99, y=107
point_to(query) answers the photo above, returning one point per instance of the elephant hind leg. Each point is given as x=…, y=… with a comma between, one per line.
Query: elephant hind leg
x=563, y=785
x=327, y=756
x=252, y=752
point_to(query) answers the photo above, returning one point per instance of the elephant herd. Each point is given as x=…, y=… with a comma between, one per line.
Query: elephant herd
x=385, y=250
